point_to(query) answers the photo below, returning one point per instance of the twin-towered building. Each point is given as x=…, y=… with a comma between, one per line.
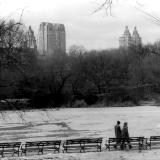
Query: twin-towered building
x=126, y=40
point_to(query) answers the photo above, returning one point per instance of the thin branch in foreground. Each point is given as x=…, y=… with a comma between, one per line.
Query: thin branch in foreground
x=139, y=4
x=155, y=19
x=107, y=5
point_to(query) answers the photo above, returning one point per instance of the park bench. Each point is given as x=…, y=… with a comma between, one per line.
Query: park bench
x=137, y=142
x=73, y=144
x=40, y=146
x=10, y=148
x=52, y=145
x=112, y=143
x=92, y=143
x=82, y=144
x=154, y=141
x=134, y=141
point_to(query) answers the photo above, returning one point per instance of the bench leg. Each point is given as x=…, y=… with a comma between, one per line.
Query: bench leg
x=82, y=149
x=12, y=154
x=106, y=146
x=148, y=146
x=124, y=146
x=40, y=150
x=24, y=151
x=140, y=146
x=99, y=148
x=15, y=151
x=2, y=154
x=65, y=150
x=57, y=149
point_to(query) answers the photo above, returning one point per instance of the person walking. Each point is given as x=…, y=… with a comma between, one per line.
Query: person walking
x=118, y=133
x=125, y=136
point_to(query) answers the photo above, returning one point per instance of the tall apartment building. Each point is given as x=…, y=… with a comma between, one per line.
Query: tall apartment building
x=51, y=38
x=126, y=40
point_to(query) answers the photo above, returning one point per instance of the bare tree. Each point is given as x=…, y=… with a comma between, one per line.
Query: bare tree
x=76, y=50
x=12, y=37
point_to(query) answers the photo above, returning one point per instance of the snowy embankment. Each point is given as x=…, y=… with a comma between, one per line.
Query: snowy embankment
x=104, y=155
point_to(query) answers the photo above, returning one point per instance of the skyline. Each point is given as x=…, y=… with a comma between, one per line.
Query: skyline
x=93, y=31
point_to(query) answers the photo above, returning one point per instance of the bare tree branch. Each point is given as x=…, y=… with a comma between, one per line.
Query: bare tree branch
x=107, y=5
x=139, y=4
x=155, y=19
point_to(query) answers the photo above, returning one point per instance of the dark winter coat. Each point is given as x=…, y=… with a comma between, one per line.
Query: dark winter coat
x=118, y=132
x=125, y=133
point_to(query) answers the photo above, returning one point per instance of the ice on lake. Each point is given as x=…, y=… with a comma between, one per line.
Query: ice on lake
x=77, y=122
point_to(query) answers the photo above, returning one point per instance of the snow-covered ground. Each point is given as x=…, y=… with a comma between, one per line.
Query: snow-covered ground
x=75, y=123
x=83, y=122
x=105, y=155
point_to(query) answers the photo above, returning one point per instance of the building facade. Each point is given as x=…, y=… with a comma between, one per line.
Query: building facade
x=126, y=40
x=51, y=38
x=30, y=40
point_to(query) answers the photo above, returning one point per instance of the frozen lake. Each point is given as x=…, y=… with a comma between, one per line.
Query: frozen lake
x=80, y=122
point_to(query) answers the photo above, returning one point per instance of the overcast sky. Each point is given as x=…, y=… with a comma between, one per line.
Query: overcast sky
x=93, y=31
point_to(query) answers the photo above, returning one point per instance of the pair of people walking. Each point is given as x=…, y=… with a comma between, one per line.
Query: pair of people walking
x=122, y=135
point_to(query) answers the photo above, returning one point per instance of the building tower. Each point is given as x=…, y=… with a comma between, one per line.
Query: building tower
x=136, y=39
x=51, y=39
x=126, y=40
x=29, y=40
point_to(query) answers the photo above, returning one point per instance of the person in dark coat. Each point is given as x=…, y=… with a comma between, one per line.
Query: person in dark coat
x=125, y=135
x=118, y=133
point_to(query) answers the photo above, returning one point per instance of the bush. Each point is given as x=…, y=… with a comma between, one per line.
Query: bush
x=123, y=104
x=79, y=104
x=91, y=99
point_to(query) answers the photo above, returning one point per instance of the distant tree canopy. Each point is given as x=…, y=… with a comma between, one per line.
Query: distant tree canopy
x=107, y=76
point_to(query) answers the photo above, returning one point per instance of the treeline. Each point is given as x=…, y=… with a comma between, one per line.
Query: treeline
x=110, y=76
x=80, y=78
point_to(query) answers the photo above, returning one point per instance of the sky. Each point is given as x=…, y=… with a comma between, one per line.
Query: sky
x=98, y=30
